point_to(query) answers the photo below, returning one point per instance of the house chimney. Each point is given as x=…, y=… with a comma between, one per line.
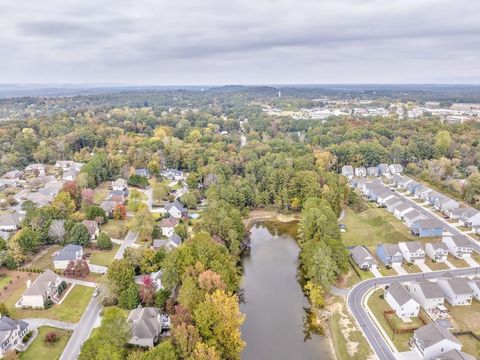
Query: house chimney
x=29, y=282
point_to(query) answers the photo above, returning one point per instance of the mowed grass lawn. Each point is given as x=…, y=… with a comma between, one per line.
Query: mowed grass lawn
x=372, y=227
x=116, y=229
x=100, y=193
x=103, y=258
x=70, y=310
x=38, y=350
x=46, y=260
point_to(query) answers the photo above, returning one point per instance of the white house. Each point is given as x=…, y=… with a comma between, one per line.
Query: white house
x=428, y=294
x=71, y=252
x=391, y=203
x=372, y=171
x=37, y=170
x=43, y=288
x=347, y=171
x=384, y=196
x=459, y=246
x=401, y=210
x=444, y=204
x=395, y=169
x=119, y=185
x=433, y=340
x=383, y=170
x=412, y=251
x=360, y=172
x=11, y=334
x=456, y=290
x=470, y=217
x=475, y=286
x=410, y=217
x=10, y=222
x=400, y=300
x=437, y=251
x=363, y=258
x=168, y=226
x=175, y=209
x=174, y=174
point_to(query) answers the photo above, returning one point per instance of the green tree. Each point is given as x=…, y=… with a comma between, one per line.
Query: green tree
x=104, y=242
x=79, y=235
x=143, y=223
x=120, y=276
x=163, y=351
x=189, y=200
x=96, y=213
x=28, y=240
x=129, y=297
x=443, y=142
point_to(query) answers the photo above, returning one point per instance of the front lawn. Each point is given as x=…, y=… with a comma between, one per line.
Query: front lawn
x=38, y=350
x=372, y=227
x=70, y=310
x=387, y=271
x=458, y=263
x=434, y=266
x=116, y=229
x=101, y=257
x=411, y=268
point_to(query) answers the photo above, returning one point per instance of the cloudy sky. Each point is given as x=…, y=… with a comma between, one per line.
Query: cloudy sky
x=166, y=42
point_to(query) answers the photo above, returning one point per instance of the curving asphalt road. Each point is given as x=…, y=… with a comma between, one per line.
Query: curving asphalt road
x=358, y=292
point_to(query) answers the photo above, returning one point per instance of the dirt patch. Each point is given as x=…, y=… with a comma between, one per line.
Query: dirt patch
x=19, y=279
x=259, y=215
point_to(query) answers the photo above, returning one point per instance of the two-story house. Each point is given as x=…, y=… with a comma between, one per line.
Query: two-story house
x=389, y=254
x=459, y=246
x=401, y=301
x=456, y=290
x=428, y=294
x=412, y=251
x=433, y=340
x=437, y=251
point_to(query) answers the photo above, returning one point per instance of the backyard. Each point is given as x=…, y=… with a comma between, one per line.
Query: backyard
x=70, y=310
x=372, y=227
x=466, y=318
x=38, y=349
x=44, y=259
x=116, y=229
x=100, y=193
x=101, y=257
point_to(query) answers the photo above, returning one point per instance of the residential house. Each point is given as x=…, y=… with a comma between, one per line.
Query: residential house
x=10, y=222
x=389, y=254
x=157, y=279
x=428, y=294
x=412, y=251
x=374, y=190
x=347, y=171
x=168, y=226
x=427, y=228
x=401, y=181
x=470, y=217
x=413, y=215
x=108, y=206
x=383, y=169
x=120, y=185
x=93, y=228
x=423, y=194
x=36, y=170
x=174, y=174
x=71, y=252
x=391, y=203
x=175, y=209
x=437, y=251
x=455, y=213
x=456, y=290
x=444, y=204
x=384, y=196
x=146, y=326
x=412, y=186
x=360, y=171
x=433, y=340
x=433, y=196
x=419, y=190
x=459, y=246
x=45, y=287
x=475, y=286
x=400, y=210
x=38, y=198
x=362, y=257
x=11, y=334
x=13, y=175
x=173, y=241
x=372, y=171
x=117, y=196
x=401, y=301
x=454, y=354
x=395, y=169
x=143, y=172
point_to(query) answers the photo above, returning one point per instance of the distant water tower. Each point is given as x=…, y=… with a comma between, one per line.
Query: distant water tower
x=279, y=93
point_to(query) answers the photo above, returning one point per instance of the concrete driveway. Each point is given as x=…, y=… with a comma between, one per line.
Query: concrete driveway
x=399, y=269
x=423, y=267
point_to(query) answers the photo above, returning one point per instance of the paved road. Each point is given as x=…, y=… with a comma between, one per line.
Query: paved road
x=358, y=292
x=82, y=331
x=38, y=322
x=129, y=241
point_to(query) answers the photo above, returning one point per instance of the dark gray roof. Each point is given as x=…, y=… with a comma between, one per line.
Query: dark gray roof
x=145, y=322
x=176, y=204
x=391, y=249
x=175, y=238
x=459, y=285
x=69, y=252
x=414, y=246
x=7, y=324
x=399, y=293
x=402, y=207
x=461, y=241
x=439, y=245
x=431, y=290
x=432, y=334
x=412, y=214
x=10, y=219
x=362, y=254
x=393, y=201
x=428, y=223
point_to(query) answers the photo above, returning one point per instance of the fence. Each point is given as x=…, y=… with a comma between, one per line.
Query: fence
x=390, y=314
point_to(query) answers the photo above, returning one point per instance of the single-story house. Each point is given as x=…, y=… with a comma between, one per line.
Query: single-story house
x=475, y=286
x=347, y=171
x=444, y=203
x=389, y=254
x=437, y=251
x=119, y=185
x=427, y=228
x=433, y=340
x=11, y=334
x=395, y=169
x=146, y=325
x=428, y=294
x=168, y=225
x=459, y=246
x=383, y=169
x=70, y=252
x=470, y=217
x=456, y=290
x=10, y=222
x=362, y=257
x=401, y=210
x=92, y=227
x=44, y=287
x=401, y=301
x=176, y=209
x=412, y=251
x=372, y=171
x=391, y=203
x=410, y=217
x=360, y=171
x=143, y=172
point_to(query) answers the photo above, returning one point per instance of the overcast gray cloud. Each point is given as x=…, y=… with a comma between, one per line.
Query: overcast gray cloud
x=250, y=41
